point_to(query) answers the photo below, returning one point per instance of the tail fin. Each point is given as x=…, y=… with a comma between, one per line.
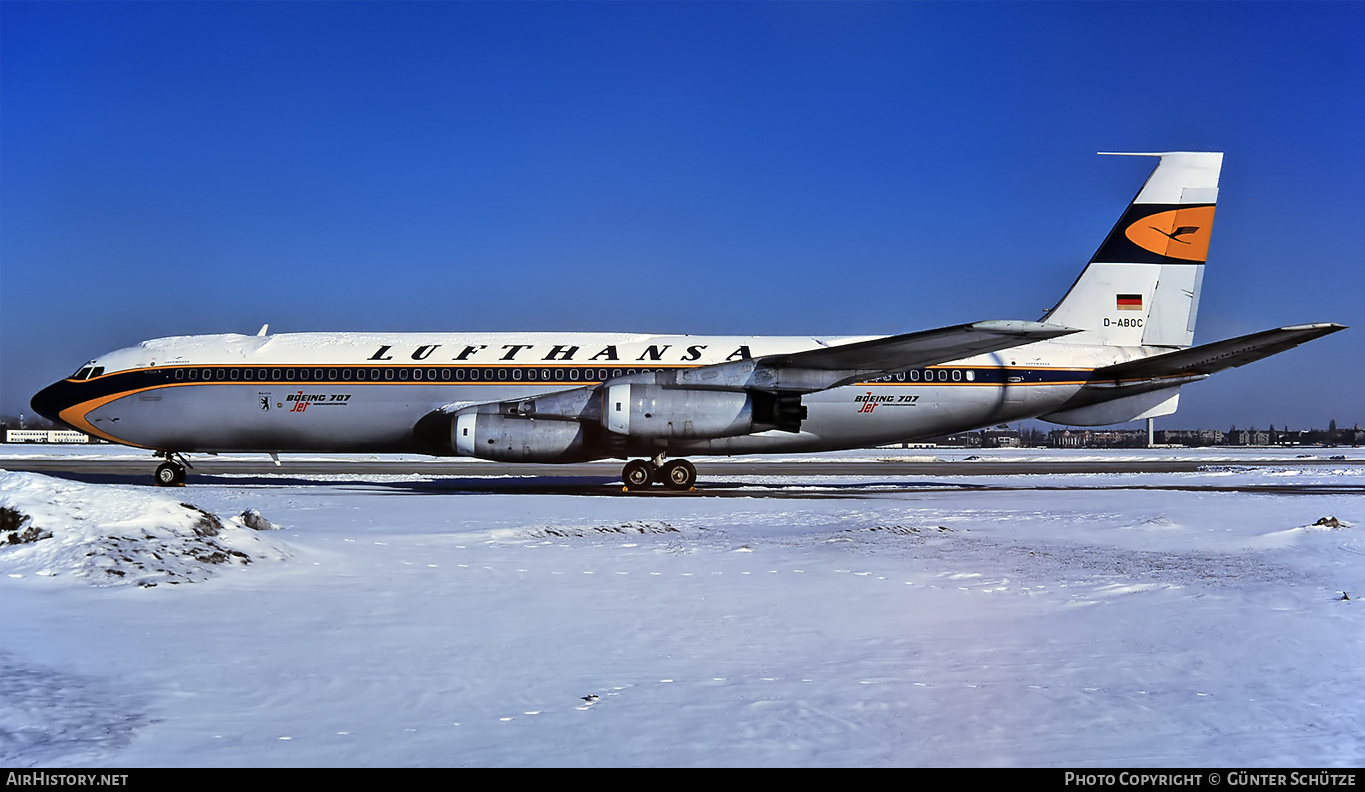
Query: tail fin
x=1142, y=286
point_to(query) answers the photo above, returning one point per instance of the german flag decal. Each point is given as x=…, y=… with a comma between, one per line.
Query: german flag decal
x=1129, y=302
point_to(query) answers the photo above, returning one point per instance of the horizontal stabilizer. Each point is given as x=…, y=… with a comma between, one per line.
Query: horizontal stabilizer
x=1133, y=404
x=926, y=348
x=1208, y=358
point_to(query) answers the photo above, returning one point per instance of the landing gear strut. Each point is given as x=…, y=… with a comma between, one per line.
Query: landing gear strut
x=171, y=473
x=679, y=474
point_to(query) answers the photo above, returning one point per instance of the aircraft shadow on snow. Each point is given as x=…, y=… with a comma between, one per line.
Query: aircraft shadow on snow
x=529, y=485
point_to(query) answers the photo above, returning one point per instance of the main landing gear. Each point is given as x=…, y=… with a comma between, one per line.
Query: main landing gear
x=678, y=474
x=171, y=473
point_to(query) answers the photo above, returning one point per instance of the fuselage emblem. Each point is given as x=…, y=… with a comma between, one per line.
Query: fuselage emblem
x=301, y=400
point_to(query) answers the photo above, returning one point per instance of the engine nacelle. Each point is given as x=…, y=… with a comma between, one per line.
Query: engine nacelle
x=516, y=439
x=654, y=412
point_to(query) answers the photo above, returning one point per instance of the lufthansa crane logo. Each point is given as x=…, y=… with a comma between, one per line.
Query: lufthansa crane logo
x=1181, y=233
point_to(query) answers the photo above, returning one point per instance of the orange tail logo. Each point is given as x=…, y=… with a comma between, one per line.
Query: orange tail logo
x=1178, y=233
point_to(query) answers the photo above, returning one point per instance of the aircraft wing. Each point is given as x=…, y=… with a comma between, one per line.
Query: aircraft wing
x=1208, y=358
x=831, y=366
x=925, y=348
x=798, y=372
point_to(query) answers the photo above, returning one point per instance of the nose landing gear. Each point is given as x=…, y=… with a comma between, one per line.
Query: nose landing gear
x=171, y=473
x=678, y=474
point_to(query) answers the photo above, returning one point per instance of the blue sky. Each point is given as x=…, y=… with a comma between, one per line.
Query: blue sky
x=746, y=168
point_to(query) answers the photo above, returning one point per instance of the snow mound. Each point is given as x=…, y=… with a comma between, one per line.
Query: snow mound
x=634, y=527
x=914, y=532
x=253, y=519
x=115, y=535
x=1328, y=523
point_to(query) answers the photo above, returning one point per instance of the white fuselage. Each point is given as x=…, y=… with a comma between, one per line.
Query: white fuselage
x=372, y=392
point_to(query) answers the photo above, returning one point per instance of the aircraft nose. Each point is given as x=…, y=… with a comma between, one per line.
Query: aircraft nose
x=50, y=401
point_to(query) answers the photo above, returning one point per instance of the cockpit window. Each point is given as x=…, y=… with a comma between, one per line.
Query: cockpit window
x=96, y=371
x=82, y=374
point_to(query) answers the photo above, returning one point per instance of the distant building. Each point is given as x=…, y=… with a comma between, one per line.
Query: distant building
x=960, y=440
x=1137, y=438
x=1000, y=438
x=1248, y=437
x=1189, y=437
x=1097, y=438
x=46, y=436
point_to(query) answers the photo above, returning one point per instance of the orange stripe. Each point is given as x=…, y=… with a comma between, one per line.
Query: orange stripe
x=75, y=416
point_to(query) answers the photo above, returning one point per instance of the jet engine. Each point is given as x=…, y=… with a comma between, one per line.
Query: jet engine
x=653, y=412
x=567, y=426
x=517, y=439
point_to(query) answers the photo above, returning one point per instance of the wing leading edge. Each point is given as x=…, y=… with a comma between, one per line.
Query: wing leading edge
x=828, y=367
x=925, y=348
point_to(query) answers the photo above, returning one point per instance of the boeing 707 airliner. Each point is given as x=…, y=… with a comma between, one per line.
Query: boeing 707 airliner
x=1117, y=348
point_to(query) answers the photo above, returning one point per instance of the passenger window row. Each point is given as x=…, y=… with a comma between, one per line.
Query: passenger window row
x=397, y=373
x=462, y=374
x=930, y=375
x=557, y=374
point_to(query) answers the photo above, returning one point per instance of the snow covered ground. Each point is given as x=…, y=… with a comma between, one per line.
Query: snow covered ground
x=906, y=624
x=1211, y=454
